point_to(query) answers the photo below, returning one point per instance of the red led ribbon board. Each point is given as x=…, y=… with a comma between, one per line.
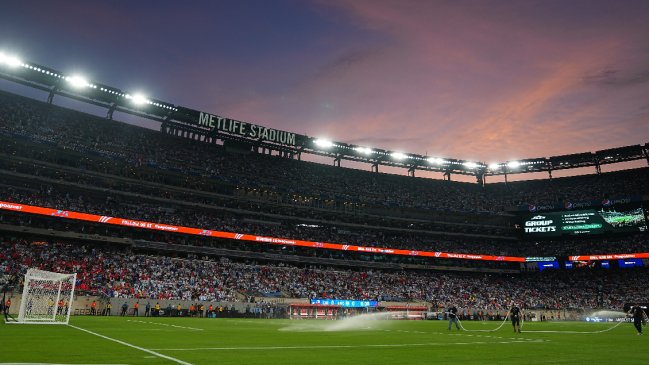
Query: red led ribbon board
x=279, y=241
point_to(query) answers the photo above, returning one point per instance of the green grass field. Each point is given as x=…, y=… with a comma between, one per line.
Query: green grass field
x=257, y=341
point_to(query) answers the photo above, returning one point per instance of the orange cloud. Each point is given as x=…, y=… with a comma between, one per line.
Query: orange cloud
x=468, y=80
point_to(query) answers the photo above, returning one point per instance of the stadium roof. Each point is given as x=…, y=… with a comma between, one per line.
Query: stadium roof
x=206, y=127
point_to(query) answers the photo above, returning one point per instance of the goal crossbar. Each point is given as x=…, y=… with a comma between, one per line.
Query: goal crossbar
x=47, y=297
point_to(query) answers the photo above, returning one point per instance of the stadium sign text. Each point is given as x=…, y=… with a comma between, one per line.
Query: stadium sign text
x=540, y=258
x=539, y=223
x=214, y=122
x=10, y=206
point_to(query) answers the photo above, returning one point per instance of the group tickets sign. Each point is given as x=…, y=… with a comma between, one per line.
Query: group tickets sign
x=589, y=221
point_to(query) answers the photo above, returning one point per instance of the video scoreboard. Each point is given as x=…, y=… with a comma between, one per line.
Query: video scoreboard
x=587, y=221
x=346, y=303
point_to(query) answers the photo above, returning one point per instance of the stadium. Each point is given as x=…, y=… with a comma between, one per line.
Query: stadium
x=218, y=240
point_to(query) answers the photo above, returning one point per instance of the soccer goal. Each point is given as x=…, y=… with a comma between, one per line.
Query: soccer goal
x=47, y=297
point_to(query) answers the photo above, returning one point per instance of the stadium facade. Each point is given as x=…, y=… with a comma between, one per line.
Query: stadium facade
x=208, y=188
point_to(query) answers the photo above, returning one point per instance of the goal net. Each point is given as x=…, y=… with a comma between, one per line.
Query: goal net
x=47, y=297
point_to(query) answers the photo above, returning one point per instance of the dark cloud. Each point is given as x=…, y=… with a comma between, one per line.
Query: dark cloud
x=616, y=77
x=347, y=62
x=496, y=80
x=601, y=76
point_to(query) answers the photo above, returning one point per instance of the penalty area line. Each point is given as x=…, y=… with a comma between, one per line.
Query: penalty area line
x=165, y=324
x=133, y=346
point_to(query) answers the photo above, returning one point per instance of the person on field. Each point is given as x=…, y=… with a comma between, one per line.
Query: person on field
x=452, y=318
x=637, y=313
x=515, y=316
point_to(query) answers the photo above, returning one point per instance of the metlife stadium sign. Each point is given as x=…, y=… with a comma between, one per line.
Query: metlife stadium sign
x=244, y=129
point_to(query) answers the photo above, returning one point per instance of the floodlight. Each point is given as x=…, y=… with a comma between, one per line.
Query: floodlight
x=11, y=61
x=138, y=99
x=436, y=160
x=77, y=81
x=324, y=143
x=470, y=165
x=513, y=164
x=494, y=166
x=398, y=155
x=364, y=150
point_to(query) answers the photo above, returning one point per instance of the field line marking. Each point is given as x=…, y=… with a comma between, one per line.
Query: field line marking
x=132, y=346
x=165, y=324
x=247, y=348
x=497, y=337
x=581, y=332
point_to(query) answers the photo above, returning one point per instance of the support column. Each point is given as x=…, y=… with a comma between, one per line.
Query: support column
x=50, y=97
x=109, y=113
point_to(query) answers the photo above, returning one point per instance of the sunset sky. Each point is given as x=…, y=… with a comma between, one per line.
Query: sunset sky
x=478, y=80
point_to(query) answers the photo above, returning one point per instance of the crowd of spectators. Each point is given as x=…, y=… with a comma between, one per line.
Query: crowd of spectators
x=243, y=190
x=152, y=156
x=116, y=272
x=64, y=159
x=371, y=236
x=32, y=177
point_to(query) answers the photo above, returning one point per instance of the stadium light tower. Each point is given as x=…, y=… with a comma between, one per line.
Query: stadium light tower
x=436, y=160
x=77, y=81
x=324, y=143
x=513, y=164
x=494, y=166
x=398, y=155
x=11, y=61
x=137, y=99
x=470, y=165
x=364, y=150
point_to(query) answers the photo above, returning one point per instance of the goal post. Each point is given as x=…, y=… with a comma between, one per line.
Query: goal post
x=47, y=297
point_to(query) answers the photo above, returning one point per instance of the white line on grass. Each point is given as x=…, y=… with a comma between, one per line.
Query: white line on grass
x=166, y=324
x=132, y=346
x=498, y=337
x=464, y=334
x=46, y=363
x=579, y=332
x=264, y=348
